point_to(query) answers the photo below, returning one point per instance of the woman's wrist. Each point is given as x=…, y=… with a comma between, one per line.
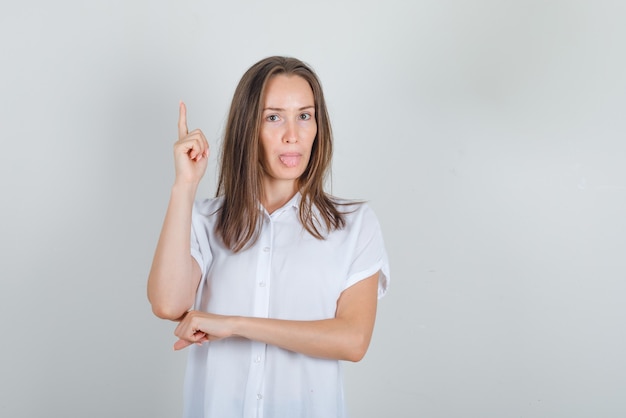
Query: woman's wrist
x=183, y=190
x=237, y=326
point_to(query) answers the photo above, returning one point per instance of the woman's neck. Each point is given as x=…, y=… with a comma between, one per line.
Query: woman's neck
x=277, y=193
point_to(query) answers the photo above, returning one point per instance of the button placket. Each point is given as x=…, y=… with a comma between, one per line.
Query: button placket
x=261, y=310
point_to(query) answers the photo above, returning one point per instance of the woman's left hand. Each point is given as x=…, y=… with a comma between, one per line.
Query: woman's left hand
x=198, y=327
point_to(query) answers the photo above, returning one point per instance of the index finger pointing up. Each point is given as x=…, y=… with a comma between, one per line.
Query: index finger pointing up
x=182, y=121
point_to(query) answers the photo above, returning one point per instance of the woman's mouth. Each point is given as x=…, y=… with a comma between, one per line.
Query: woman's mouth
x=290, y=159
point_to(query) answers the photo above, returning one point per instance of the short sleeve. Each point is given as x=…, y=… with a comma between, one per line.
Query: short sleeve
x=369, y=254
x=199, y=240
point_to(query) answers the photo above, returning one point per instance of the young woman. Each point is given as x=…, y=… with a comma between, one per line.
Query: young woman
x=279, y=280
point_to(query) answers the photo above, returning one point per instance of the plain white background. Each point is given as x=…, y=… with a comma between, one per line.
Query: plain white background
x=489, y=136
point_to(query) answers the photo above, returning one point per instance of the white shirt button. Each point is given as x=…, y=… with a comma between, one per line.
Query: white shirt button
x=262, y=284
x=266, y=249
x=259, y=396
x=257, y=359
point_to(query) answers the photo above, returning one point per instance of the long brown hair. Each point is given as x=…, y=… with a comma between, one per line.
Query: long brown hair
x=239, y=183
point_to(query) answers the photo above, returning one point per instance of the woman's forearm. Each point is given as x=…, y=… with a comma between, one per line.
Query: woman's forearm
x=174, y=275
x=335, y=338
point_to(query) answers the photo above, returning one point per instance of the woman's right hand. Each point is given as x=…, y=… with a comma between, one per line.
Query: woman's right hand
x=191, y=151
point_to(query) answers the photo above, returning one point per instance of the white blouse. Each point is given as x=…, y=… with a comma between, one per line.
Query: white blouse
x=286, y=274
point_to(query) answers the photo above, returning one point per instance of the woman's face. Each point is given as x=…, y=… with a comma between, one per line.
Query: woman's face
x=288, y=128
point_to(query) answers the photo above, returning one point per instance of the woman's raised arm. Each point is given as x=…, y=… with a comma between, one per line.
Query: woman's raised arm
x=175, y=275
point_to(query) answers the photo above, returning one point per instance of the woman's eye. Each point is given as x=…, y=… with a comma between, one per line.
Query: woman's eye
x=305, y=116
x=272, y=118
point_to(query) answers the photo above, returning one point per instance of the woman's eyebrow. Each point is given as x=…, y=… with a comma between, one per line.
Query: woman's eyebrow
x=280, y=109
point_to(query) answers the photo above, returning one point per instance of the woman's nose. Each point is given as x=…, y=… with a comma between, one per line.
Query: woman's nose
x=291, y=133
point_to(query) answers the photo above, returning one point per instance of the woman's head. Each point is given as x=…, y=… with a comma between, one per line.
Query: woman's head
x=242, y=162
x=241, y=152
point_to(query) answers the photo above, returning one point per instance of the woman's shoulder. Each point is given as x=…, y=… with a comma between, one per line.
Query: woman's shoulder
x=354, y=211
x=208, y=207
x=349, y=205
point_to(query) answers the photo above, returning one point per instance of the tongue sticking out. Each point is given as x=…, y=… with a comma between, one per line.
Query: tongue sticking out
x=290, y=160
